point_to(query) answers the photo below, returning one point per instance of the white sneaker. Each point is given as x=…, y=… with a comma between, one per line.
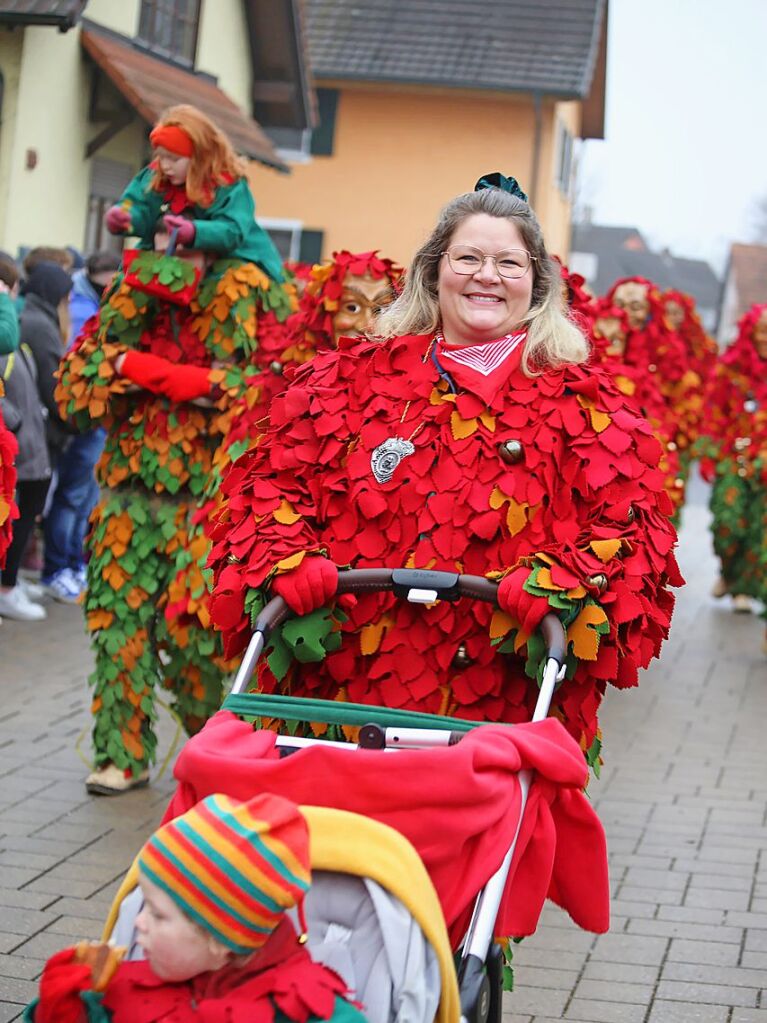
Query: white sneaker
x=741, y=604
x=81, y=576
x=63, y=586
x=15, y=604
x=34, y=591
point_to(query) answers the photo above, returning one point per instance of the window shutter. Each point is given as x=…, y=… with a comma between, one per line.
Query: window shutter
x=323, y=135
x=311, y=246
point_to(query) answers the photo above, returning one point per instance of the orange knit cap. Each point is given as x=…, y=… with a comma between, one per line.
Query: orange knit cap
x=172, y=138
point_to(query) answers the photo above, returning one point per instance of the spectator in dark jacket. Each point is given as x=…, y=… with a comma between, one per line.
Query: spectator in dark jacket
x=23, y=414
x=75, y=491
x=45, y=310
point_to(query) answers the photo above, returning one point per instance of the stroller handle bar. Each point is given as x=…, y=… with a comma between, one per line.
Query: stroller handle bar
x=413, y=584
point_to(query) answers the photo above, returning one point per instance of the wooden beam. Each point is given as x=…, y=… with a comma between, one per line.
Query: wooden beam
x=120, y=121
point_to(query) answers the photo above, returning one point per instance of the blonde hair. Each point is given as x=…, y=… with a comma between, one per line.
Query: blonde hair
x=214, y=161
x=553, y=339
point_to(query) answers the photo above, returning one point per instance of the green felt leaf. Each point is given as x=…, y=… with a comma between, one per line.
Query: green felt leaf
x=279, y=659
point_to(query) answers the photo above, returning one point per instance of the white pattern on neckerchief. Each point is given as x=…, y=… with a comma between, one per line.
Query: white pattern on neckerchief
x=484, y=359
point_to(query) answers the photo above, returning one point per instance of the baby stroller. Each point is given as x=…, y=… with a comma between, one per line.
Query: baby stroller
x=492, y=768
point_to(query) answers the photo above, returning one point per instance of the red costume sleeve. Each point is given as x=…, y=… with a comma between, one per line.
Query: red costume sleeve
x=280, y=531
x=160, y=376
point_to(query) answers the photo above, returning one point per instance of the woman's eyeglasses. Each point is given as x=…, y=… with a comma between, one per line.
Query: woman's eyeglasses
x=465, y=259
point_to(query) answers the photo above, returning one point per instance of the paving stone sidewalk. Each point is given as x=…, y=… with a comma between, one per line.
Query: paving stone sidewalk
x=683, y=797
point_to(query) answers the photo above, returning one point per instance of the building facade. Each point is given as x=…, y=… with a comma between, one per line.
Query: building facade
x=417, y=101
x=82, y=84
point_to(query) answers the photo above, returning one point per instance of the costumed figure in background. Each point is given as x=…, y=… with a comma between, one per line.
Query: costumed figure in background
x=471, y=436
x=161, y=367
x=654, y=348
x=611, y=335
x=577, y=298
x=339, y=299
x=734, y=458
x=681, y=316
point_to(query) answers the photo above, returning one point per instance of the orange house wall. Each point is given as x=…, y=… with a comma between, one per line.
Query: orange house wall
x=398, y=157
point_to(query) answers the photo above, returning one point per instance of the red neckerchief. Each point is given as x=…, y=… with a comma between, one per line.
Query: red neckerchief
x=483, y=369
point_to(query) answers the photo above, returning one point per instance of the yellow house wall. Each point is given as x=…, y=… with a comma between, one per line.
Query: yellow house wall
x=45, y=109
x=223, y=49
x=11, y=45
x=398, y=157
x=119, y=15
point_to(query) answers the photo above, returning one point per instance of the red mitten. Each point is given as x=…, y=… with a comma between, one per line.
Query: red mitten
x=160, y=376
x=117, y=220
x=313, y=584
x=184, y=227
x=513, y=598
x=60, y=985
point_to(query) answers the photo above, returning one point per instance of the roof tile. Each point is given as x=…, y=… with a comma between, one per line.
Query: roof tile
x=508, y=45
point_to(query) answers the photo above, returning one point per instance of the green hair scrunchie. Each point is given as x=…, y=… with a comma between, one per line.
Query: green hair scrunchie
x=498, y=180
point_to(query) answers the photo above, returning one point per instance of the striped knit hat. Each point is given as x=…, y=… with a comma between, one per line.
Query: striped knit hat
x=232, y=867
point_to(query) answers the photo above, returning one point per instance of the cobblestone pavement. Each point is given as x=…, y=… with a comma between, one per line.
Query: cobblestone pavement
x=683, y=797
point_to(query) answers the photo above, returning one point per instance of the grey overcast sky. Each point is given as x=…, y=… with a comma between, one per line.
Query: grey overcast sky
x=685, y=154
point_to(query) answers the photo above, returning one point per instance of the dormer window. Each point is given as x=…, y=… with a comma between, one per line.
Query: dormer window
x=169, y=28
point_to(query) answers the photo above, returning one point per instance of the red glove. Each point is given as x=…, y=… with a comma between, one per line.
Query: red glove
x=313, y=584
x=60, y=985
x=160, y=376
x=117, y=220
x=184, y=227
x=528, y=609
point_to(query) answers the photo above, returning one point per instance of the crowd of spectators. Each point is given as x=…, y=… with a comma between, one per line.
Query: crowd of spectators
x=44, y=302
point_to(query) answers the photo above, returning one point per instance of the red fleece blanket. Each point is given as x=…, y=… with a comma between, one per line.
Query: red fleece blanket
x=458, y=805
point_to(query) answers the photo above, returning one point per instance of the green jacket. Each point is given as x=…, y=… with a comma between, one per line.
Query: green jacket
x=227, y=227
x=9, y=325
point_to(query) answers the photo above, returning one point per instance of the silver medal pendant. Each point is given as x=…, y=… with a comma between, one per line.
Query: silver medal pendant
x=387, y=456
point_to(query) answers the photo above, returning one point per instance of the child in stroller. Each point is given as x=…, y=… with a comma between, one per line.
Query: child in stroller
x=216, y=884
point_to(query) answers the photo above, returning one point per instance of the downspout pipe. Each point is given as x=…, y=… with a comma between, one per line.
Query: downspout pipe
x=537, y=139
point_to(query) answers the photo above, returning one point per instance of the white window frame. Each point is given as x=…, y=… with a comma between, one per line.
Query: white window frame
x=296, y=228
x=302, y=155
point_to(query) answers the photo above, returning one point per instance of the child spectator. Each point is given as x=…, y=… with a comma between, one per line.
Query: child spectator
x=216, y=883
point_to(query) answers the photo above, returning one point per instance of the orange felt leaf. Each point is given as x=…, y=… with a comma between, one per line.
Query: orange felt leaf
x=516, y=517
x=605, y=550
x=462, y=428
x=576, y=593
x=584, y=639
x=545, y=581
x=488, y=420
x=287, y=564
x=286, y=515
x=371, y=635
x=498, y=499
x=500, y=624
x=599, y=420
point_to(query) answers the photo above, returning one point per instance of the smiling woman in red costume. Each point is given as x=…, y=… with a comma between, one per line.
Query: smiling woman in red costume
x=472, y=437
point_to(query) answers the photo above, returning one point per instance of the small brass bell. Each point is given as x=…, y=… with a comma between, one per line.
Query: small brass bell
x=630, y=514
x=276, y=367
x=599, y=580
x=461, y=659
x=511, y=451
x=653, y=368
x=671, y=445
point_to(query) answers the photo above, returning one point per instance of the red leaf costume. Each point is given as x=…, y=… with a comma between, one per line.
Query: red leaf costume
x=734, y=457
x=587, y=474
x=656, y=349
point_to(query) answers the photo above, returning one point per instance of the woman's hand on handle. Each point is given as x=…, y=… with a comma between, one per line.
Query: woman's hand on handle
x=513, y=598
x=311, y=585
